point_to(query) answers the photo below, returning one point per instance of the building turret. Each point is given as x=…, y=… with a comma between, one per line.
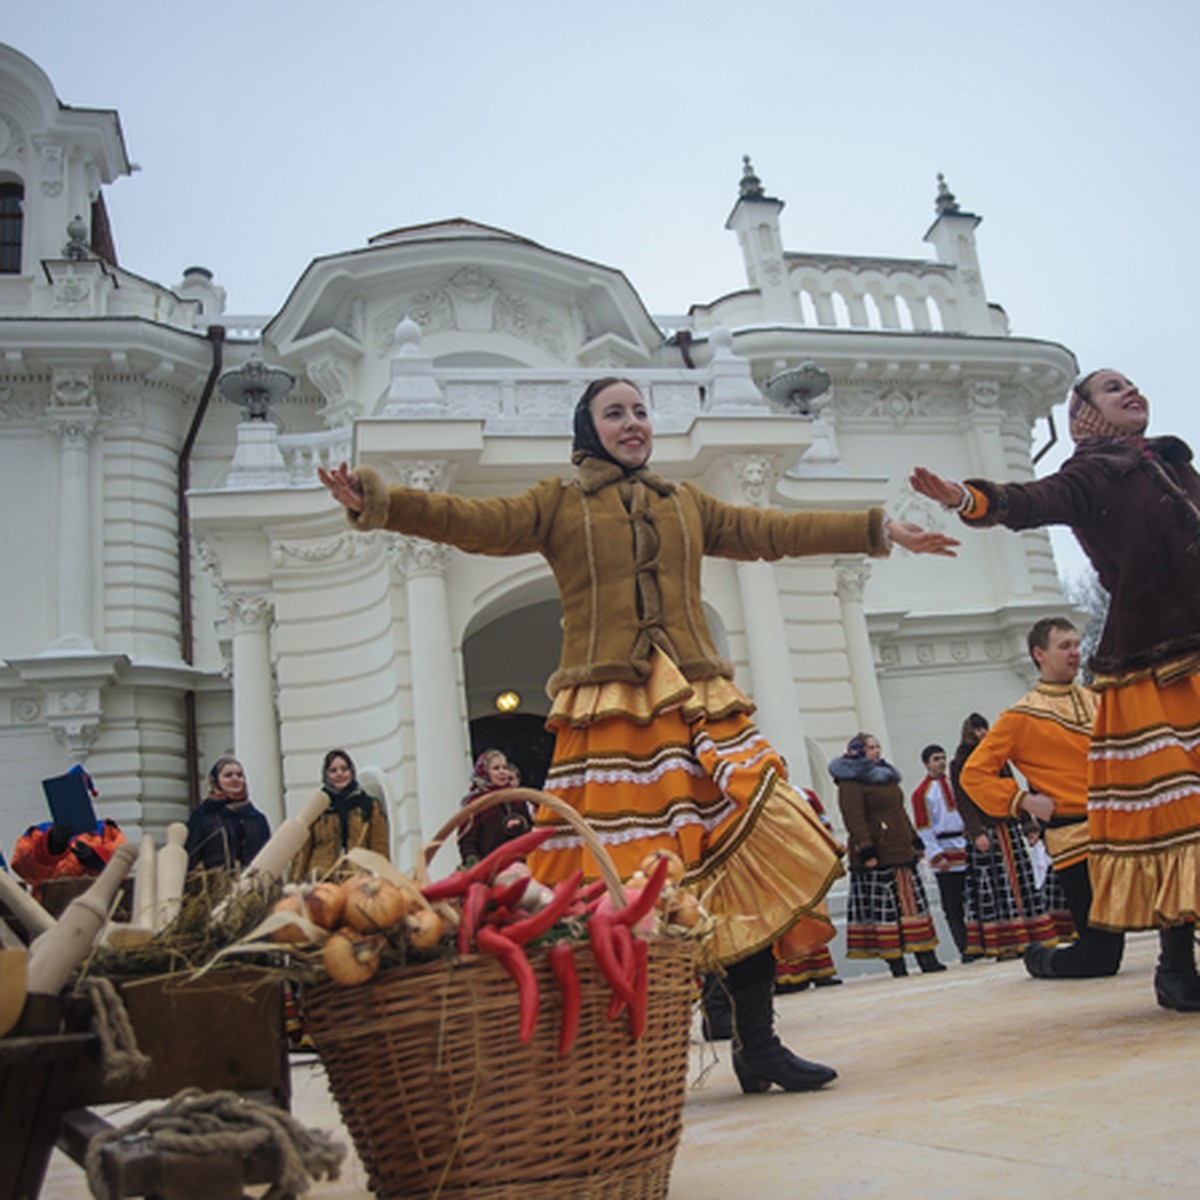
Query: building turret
x=755, y=220
x=53, y=160
x=952, y=235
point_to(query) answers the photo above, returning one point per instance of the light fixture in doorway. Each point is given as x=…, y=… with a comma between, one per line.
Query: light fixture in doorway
x=507, y=702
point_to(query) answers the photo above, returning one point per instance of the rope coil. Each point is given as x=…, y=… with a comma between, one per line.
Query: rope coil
x=196, y=1122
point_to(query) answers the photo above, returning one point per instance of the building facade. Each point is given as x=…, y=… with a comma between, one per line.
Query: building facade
x=182, y=586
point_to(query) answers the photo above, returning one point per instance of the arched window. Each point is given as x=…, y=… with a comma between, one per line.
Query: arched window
x=12, y=197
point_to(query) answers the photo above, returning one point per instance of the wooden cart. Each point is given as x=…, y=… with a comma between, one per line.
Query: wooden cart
x=223, y=1031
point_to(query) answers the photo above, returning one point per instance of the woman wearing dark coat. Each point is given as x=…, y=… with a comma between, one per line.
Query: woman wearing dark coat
x=225, y=831
x=495, y=826
x=1133, y=503
x=888, y=913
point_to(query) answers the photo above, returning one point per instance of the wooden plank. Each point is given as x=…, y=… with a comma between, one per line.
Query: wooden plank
x=37, y=1085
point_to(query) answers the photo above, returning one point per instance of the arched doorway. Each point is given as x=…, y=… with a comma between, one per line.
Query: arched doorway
x=513, y=648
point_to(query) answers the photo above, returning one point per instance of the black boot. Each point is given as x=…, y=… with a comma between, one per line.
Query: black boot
x=1039, y=961
x=759, y=1057
x=1176, y=984
x=715, y=1009
x=928, y=961
x=898, y=967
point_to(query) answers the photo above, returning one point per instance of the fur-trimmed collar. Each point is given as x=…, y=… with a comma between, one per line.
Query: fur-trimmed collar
x=874, y=771
x=593, y=474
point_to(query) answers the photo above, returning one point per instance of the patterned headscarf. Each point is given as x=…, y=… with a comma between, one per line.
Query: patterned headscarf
x=1085, y=419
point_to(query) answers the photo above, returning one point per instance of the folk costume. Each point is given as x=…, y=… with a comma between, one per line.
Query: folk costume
x=353, y=818
x=653, y=741
x=940, y=827
x=1134, y=506
x=1046, y=736
x=224, y=834
x=1005, y=910
x=795, y=969
x=888, y=911
x=495, y=826
x=654, y=744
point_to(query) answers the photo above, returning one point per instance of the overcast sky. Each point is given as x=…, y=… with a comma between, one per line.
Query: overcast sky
x=271, y=132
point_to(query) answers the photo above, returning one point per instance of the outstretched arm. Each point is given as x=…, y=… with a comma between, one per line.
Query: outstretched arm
x=921, y=541
x=344, y=485
x=946, y=492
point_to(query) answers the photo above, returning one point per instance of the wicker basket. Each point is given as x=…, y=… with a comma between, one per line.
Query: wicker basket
x=443, y=1101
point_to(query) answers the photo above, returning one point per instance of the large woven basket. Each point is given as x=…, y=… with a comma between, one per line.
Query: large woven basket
x=443, y=1101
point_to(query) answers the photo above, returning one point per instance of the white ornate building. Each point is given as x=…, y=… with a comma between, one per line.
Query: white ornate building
x=450, y=355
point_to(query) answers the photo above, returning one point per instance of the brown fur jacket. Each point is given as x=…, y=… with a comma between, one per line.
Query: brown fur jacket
x=626, y=553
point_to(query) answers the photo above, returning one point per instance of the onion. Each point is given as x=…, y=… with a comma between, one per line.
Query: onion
x=290, y=902
x=325, y=903
x=674, y=871
x=373, y=904
x=685, y=910
x=351, y=958
x=423, y=928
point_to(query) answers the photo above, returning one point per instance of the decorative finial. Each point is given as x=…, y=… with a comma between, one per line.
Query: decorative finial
x=255, y=388
x=751, y=187
x=945, y=202
x=76, y=248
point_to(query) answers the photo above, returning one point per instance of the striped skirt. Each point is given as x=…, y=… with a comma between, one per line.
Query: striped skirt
x=888, y=913
x=1005, y=912
x=681, y=766
x=1144, y=799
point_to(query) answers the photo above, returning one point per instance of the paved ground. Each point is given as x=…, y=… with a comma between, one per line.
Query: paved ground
x=974, y=1083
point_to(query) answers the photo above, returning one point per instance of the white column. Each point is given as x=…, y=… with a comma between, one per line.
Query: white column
x=73, y=414
x=773, y=686
x=985, y=415
x=852, y=578
x=255, y=722
x=442, y=751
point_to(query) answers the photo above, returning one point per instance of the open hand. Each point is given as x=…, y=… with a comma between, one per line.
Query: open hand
x=945, y=491
x=1038, y=804
x=921, y=541
x=344, y=485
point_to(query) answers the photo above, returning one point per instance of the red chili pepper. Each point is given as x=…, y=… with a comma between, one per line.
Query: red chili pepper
x=639, y=1011
x=508, y=853
x=623, y=945
x=564, y=970
x=448, y=888
x=544, y=920
x=498, y=917
x=472, y=915
x=590, y=891
x=601, y=935
x=508, y=895
x=513, y=959
x=641, y=904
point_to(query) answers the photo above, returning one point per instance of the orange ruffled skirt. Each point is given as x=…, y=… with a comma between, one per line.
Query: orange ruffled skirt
x=1144, y=799
x=677, y=765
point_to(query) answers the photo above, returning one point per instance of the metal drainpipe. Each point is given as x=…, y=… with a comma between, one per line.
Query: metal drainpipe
x=216, y=335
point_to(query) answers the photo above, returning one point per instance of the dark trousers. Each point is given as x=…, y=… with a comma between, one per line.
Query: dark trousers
x=951, y=888
x=1098, y=951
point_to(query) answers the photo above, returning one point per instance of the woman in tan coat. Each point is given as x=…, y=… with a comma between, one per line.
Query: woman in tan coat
x=353, y=818
x=654, y=744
